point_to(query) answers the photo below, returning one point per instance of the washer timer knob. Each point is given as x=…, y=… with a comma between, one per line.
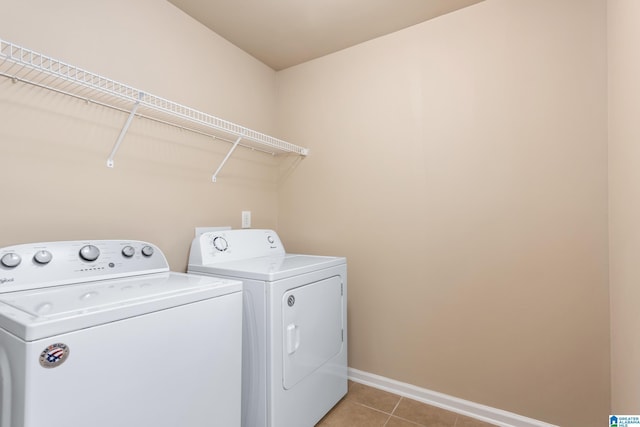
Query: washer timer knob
x=147, y=251
x=270, y=239
x=89, y=253
x=128, y=251
x=10, y=260
x=43, y=257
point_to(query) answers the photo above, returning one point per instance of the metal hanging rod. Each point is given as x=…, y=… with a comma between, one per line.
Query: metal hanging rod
x=24, y=65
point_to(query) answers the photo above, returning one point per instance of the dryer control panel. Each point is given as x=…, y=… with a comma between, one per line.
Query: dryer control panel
x=40, y=265
x=233, y=245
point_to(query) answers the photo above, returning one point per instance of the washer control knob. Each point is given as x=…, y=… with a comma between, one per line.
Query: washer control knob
x=147, y=251
x=220, y=243
x=43, y=257
x=10, y=260
x=89, y=253
x=128, y=251
x=270, y=239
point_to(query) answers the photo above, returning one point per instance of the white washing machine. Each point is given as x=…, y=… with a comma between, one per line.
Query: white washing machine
x=102, y=334
x=295, y=324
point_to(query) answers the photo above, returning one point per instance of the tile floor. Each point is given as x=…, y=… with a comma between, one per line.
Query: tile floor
x=365, y=406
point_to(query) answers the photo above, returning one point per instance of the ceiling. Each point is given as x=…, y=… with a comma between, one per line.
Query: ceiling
x=283, y=33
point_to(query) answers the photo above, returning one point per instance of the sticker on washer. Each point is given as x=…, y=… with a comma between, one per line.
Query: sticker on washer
x=54, y=355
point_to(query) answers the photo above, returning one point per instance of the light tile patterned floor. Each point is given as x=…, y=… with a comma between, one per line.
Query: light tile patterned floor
x=365, y=406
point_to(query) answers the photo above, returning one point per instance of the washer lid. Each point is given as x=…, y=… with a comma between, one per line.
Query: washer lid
x=40, y=313
x=269, y=268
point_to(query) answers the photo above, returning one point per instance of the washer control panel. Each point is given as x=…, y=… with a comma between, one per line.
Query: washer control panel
x=39, y=265
x=232, y=245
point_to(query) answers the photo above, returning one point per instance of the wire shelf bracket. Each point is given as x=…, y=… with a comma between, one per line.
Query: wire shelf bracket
x=214, y=178
x=123, y=132
x=27, y=66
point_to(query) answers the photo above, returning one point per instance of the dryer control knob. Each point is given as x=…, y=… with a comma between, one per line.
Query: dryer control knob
x=10, y=260
x=128, y=251
x=220, y=243
x=43, y=257
x=147, y=251
x=89, y=253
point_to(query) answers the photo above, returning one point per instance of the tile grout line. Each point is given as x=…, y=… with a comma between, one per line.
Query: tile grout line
x=408, y=421
x=397, y=404
x=371, y=407
x=401, y=418
x=380, y=410
x=377, y=410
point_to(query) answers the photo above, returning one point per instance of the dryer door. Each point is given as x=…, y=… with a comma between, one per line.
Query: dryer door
x=312, y=327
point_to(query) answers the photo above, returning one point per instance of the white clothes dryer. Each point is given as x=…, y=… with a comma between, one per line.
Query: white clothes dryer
x=295, y=324
x=101, y=334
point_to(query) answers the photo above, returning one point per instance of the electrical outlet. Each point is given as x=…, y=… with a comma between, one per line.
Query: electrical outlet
x=246, y=219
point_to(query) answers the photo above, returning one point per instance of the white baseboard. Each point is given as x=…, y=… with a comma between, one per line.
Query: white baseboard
x=450, y=403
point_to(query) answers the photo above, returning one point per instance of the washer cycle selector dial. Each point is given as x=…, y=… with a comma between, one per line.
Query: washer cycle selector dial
x=10, y=260
x=220, y=243
x=147, y=251
x=43, y=257
x=128, y=251
x=89, y=253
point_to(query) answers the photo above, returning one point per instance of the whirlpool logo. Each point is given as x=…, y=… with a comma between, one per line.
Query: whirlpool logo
x=4, y=280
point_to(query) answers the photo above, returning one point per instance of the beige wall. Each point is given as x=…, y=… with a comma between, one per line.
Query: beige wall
x=461, y=166
x=624, y=206
x=56, y=185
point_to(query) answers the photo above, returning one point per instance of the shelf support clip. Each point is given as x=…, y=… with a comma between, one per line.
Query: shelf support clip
x=235, y=145
x=124, y=130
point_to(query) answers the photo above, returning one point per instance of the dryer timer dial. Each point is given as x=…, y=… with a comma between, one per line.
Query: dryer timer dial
x=220, y=243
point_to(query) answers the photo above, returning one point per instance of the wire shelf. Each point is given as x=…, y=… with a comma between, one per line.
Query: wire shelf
x=24, y=65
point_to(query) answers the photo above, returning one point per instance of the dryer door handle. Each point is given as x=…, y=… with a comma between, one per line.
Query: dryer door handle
x=293, y=338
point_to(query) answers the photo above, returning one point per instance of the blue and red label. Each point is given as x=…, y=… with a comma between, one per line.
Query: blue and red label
x=54, y=355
